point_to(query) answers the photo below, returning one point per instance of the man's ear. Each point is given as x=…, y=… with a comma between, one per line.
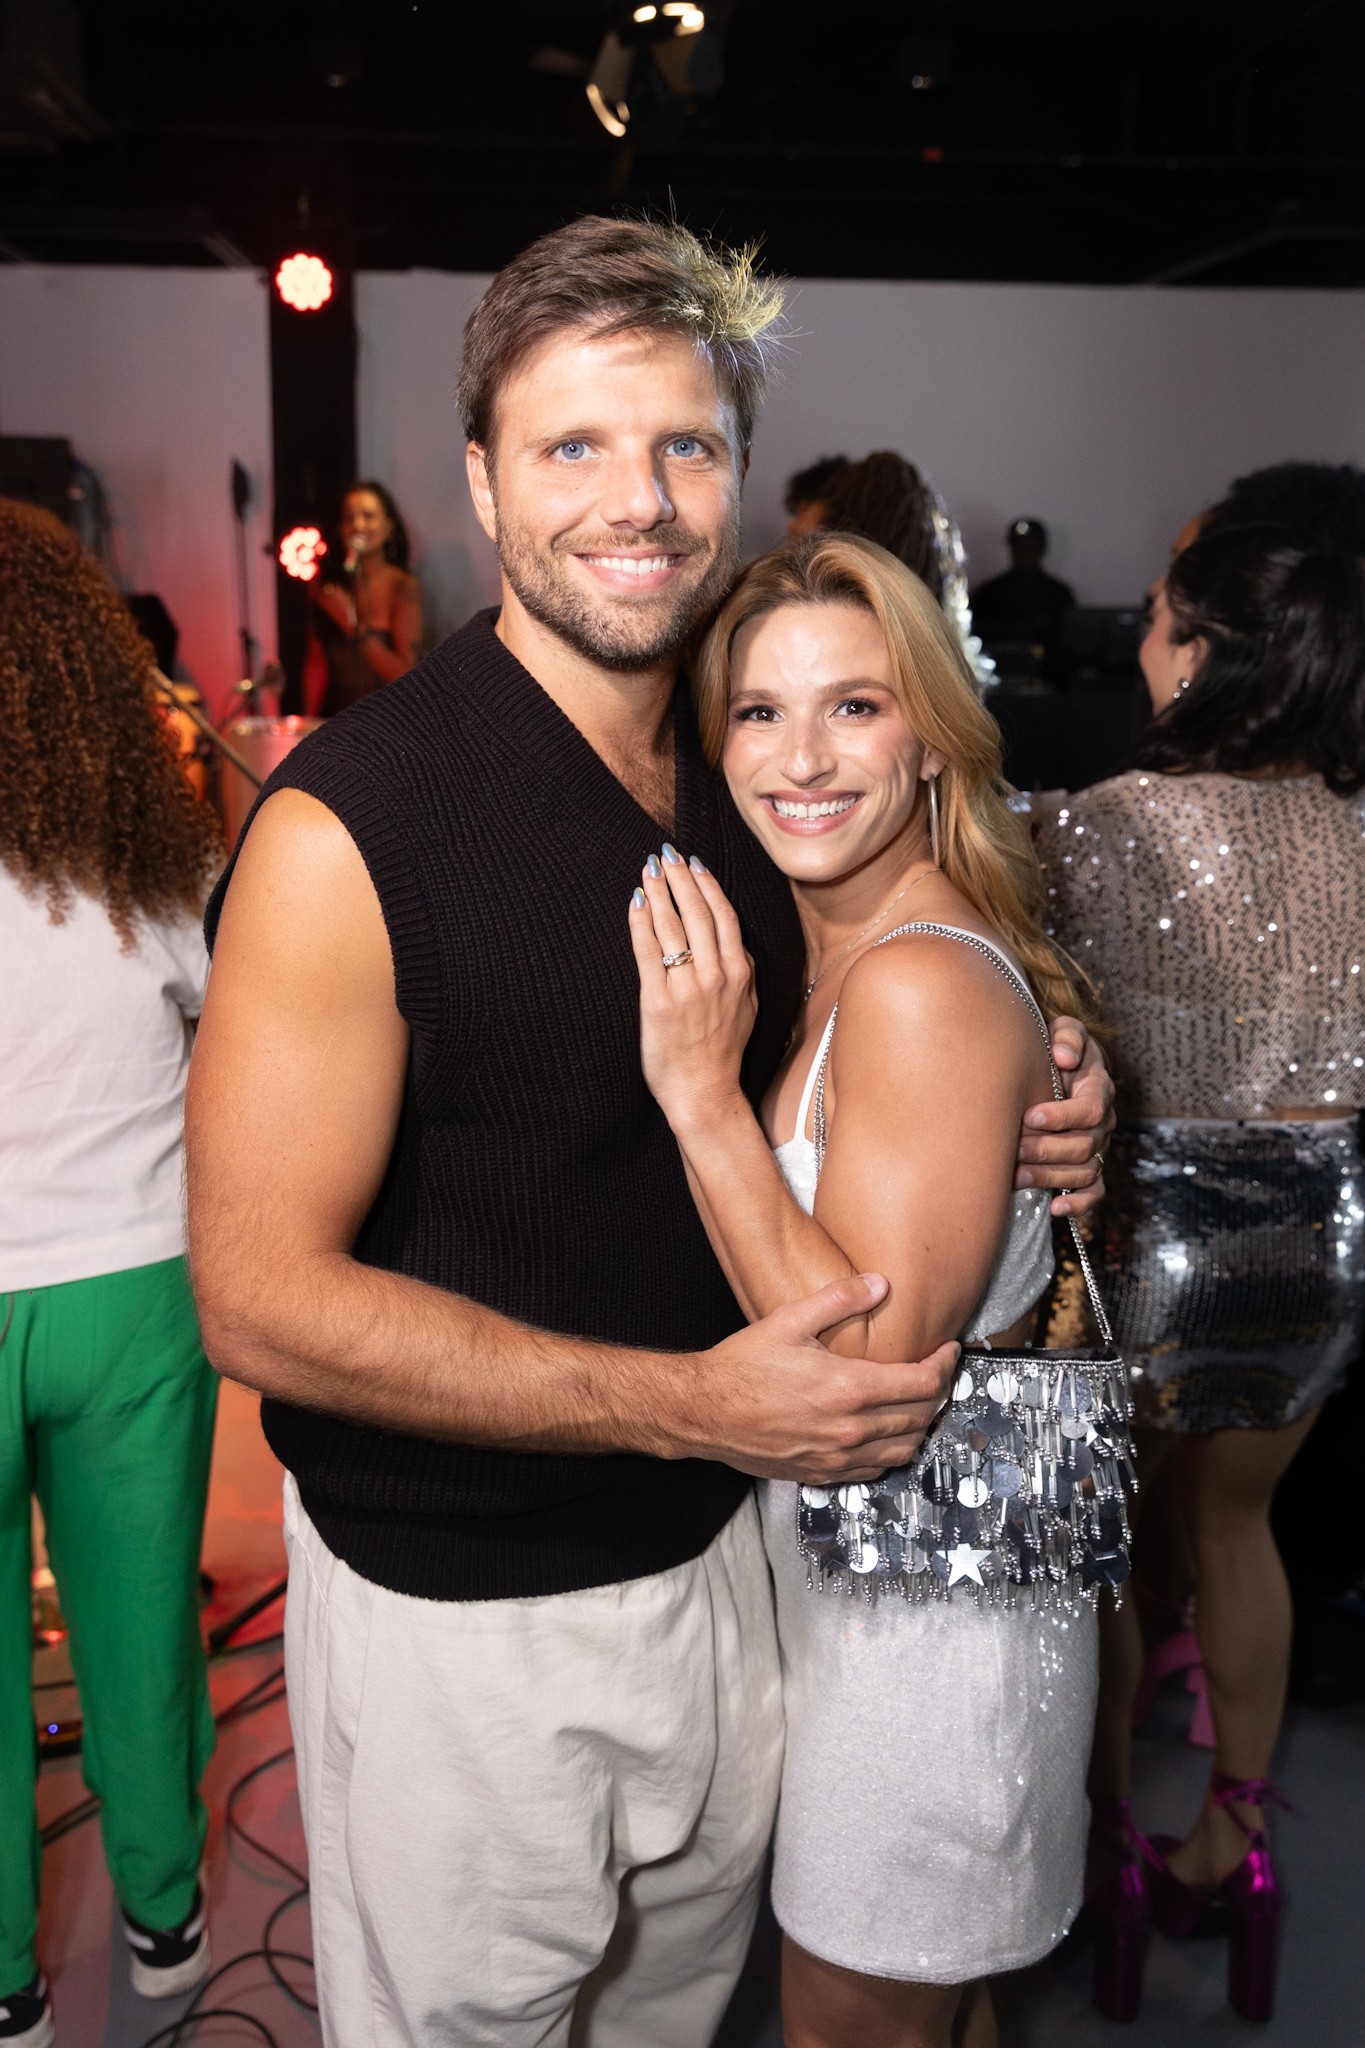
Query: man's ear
x=481, y=487
x=744, y=464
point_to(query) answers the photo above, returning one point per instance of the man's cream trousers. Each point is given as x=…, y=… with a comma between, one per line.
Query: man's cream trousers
x=533, y=1823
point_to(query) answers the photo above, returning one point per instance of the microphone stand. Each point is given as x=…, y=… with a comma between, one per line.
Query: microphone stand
x=241, y=498
x=165, y=691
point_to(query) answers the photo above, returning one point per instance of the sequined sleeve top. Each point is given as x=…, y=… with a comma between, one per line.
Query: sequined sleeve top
x=1222, y=922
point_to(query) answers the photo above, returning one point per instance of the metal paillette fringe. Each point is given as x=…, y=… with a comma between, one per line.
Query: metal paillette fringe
x=1019, y=1492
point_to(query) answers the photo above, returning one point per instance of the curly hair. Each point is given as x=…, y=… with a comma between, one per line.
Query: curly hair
x=92, y=798
x=884, y=498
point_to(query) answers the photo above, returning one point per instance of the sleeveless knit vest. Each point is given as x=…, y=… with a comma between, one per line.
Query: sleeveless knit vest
x=532, y=1170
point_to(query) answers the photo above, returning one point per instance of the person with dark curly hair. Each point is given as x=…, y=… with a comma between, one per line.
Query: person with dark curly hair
x=807, y=494
x=107, y=1401
x=365, y=621
x=885, y=499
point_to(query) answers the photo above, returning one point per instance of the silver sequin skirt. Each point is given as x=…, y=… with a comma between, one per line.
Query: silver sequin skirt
x=1235, y=1267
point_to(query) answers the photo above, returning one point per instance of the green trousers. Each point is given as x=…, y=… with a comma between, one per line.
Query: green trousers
x=106, y=1412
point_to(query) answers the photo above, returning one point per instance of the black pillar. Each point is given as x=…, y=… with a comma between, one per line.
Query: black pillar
x=312, y=377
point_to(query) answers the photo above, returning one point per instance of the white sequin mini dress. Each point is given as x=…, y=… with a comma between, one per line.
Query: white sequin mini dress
x=933, y=1817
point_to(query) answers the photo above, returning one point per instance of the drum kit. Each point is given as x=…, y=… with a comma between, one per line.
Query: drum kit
x=227, y=764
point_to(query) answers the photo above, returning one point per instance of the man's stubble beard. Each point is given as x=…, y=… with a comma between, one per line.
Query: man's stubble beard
x=619, y=638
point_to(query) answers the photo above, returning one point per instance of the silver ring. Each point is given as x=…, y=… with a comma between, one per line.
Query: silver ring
x=678, y=959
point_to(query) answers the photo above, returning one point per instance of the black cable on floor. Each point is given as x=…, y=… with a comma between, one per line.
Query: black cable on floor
x=267, y=1953
x=171, y=2034
x=255, y=1697
x=233, y=1826
x=283, y=1955
x=264, y=1693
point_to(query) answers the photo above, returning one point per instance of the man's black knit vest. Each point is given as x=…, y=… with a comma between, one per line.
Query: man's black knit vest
x=532, y=1170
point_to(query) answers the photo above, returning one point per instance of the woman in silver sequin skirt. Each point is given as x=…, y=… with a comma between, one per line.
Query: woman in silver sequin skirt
x=1216, y=897
x=932, y=1824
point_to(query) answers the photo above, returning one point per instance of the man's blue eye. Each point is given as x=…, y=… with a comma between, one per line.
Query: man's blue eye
x=572, y=451
x=685, y=444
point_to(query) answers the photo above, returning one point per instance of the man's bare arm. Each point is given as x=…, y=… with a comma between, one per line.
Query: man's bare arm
x=293, y=1103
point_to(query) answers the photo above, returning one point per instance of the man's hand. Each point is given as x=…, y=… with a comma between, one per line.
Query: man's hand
x=1063, y=1142
x=773, y=1401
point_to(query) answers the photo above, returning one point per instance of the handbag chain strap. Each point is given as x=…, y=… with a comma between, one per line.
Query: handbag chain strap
x=1021, y=989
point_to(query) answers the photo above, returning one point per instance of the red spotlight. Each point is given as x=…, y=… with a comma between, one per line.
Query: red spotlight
x=304, y=282
x=301, y=552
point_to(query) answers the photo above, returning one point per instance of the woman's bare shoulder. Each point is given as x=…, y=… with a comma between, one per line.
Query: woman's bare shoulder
x=923, y=981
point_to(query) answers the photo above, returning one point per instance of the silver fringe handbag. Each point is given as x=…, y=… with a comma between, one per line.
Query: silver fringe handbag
x=1018, y=1491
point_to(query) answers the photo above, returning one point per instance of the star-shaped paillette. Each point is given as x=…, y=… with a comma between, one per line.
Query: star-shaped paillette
x=965, y=1563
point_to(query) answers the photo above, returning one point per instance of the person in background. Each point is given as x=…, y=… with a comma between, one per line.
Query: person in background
x=1215, y=895
x=886, y=499
x=1025, y=604
x=365, y=621
x=1322, y=503
x=106, y=1397
x=807, y=494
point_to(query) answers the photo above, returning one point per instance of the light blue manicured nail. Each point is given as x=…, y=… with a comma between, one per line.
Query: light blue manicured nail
x=672, y=855
x=697, y=867
x=637, y=901
x=652, y=868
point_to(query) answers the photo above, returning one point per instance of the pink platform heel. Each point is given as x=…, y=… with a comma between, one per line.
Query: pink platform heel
x=1245, y=1906
x=1120, y=1915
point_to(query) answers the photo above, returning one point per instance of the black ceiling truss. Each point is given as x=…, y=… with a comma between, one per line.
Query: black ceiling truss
x=1185, y=142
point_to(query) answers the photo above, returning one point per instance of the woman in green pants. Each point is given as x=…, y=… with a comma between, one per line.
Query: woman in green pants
x=106, y=1398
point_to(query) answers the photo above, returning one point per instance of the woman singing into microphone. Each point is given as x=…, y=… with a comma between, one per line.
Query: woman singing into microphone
x=365, y=622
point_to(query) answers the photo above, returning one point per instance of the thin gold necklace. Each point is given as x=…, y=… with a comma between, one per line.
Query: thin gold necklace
x=932, y=869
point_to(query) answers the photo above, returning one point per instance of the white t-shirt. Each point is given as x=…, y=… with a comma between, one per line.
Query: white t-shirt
x=94, y=1044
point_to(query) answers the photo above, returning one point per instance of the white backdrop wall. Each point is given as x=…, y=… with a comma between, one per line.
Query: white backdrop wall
x=410, y=326
x=1112, y=413
x=158, y=378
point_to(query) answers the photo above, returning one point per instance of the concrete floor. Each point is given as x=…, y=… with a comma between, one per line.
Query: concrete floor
x=80, y=1942
x=1321, y=1766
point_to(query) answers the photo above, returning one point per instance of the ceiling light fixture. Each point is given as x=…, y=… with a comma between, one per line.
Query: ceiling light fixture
x=614, y=120
x=644, y=35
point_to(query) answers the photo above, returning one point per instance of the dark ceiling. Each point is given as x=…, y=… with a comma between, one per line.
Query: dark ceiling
x=1074, y=140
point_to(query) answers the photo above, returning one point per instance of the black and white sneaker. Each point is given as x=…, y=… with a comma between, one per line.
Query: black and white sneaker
x=168, y=1965
x=26, y=2016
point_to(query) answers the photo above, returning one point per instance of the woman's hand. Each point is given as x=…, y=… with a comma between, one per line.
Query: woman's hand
x=695, y=1016
x=339, y=606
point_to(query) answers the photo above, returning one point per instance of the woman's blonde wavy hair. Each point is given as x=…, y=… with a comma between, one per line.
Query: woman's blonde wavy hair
x=986, y=850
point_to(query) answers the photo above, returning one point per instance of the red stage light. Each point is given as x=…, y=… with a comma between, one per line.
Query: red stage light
x=304, y=282
x=301, y=551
